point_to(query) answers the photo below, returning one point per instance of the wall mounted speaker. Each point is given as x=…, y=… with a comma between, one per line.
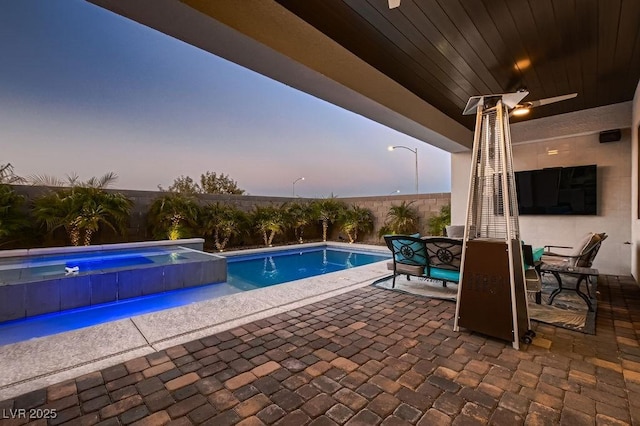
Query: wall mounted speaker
x=610, y=136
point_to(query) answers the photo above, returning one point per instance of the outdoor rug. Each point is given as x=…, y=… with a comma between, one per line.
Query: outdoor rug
x=568, y=310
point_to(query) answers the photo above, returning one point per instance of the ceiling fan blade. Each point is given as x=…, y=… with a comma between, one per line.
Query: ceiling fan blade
x=393, y=4
x=547, y=101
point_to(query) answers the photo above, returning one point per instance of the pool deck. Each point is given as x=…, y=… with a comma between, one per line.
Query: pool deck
x=35, y=363
x=367, y=357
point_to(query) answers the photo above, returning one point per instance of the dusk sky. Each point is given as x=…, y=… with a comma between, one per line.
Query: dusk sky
x=85, y=91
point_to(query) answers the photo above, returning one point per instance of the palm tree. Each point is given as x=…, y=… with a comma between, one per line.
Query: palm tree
x=102, y=208
x=173, y=215
x=83, y=208
x=401, y=219
x=299, y=216
x=56, y=210
x=327, y=211
x=439, y=222
x=223, y=222
x=268, y=221
x=7, y=176
x=354, y=220
x=12, y=219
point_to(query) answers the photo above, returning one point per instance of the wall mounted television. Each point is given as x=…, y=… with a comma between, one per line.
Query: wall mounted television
x=558, y=191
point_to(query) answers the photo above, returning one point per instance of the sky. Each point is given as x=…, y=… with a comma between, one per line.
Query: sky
x=85, y=91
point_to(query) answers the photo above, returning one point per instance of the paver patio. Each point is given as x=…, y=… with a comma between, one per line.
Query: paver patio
x=368, y=357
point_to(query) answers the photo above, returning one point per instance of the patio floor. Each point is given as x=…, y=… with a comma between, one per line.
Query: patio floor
x=370, y=356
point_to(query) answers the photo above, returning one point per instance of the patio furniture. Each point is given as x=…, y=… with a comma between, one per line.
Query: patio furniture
x=436, y=258
x=445, y=259
x=582, y=254
x=532, y=263
x=457, y=231
x=581, y=273
x=409, y=255
x=577, y=263
x=454, y=231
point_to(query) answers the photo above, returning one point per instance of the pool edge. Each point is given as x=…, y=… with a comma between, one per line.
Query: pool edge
x=339, y=283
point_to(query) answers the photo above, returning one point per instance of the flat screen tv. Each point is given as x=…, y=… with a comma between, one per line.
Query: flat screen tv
x=558, y=191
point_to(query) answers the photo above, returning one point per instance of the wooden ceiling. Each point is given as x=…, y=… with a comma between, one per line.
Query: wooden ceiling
x=446, y=51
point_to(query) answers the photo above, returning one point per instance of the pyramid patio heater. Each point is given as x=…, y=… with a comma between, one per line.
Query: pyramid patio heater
x=491, y=294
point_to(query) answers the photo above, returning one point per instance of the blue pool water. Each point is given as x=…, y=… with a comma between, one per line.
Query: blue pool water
x=249, y=272
x=100, y=264
x=245, y=272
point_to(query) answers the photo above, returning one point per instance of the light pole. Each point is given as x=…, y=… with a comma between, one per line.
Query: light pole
x=415, y=151
x=294, y=185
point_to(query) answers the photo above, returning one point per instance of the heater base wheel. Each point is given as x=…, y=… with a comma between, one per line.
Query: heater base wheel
x=528, y=336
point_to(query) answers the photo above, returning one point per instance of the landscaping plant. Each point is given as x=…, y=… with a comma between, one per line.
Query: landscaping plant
x=83, y=208
x=356, y=219
x=269, y=221
x=401, y=219
x=299, y=215
x=173, y=215
x=327, y=211
x=222, y=221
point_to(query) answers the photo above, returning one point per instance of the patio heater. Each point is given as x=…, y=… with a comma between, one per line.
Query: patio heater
x=491, y=294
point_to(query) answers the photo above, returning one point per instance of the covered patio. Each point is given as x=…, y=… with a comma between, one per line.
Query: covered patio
x=414, y=67
x=374, y=356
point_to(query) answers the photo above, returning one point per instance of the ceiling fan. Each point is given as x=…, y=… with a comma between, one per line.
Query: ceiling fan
x=513, y=102
x=524, y=107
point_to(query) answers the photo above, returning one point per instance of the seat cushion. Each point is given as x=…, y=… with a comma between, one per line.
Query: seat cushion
x=585, y=260
x=532, y=280
x=455, y=231
x=537, y=254
x=444, y=274
x=579, y=248
x=402, y=268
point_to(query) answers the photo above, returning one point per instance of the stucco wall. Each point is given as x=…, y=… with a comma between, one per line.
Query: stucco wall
x=427, y=205
x=614, y=205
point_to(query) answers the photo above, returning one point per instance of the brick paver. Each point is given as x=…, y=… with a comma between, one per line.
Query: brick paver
x=368, y=357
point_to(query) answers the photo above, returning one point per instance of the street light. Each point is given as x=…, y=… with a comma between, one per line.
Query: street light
x=294, y=185
x=397, y=191
x=415, y=151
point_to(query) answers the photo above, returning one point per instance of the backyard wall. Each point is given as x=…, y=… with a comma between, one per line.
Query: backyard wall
x=427, y=205
x=614, y=185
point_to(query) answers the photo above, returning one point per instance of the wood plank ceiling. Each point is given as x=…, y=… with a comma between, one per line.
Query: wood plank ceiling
x=446, y=51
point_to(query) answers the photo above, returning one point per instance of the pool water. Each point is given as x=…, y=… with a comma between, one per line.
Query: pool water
x=245, y=272
x=250, y=272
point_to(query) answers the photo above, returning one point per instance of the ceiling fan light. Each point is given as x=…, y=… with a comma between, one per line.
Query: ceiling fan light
x=520, y=111
x=394, y=3
x=522, y=64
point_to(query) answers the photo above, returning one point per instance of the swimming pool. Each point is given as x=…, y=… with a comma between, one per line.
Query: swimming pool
x=245, y=272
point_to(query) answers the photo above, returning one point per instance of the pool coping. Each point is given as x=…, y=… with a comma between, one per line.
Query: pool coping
x=40, y=362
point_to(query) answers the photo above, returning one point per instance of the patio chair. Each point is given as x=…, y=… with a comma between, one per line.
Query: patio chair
x=582, y=255
x=457, y=231
x=409, y=255
x=454, y=231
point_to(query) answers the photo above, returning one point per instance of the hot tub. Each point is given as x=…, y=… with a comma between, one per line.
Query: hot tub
x=49, y=280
